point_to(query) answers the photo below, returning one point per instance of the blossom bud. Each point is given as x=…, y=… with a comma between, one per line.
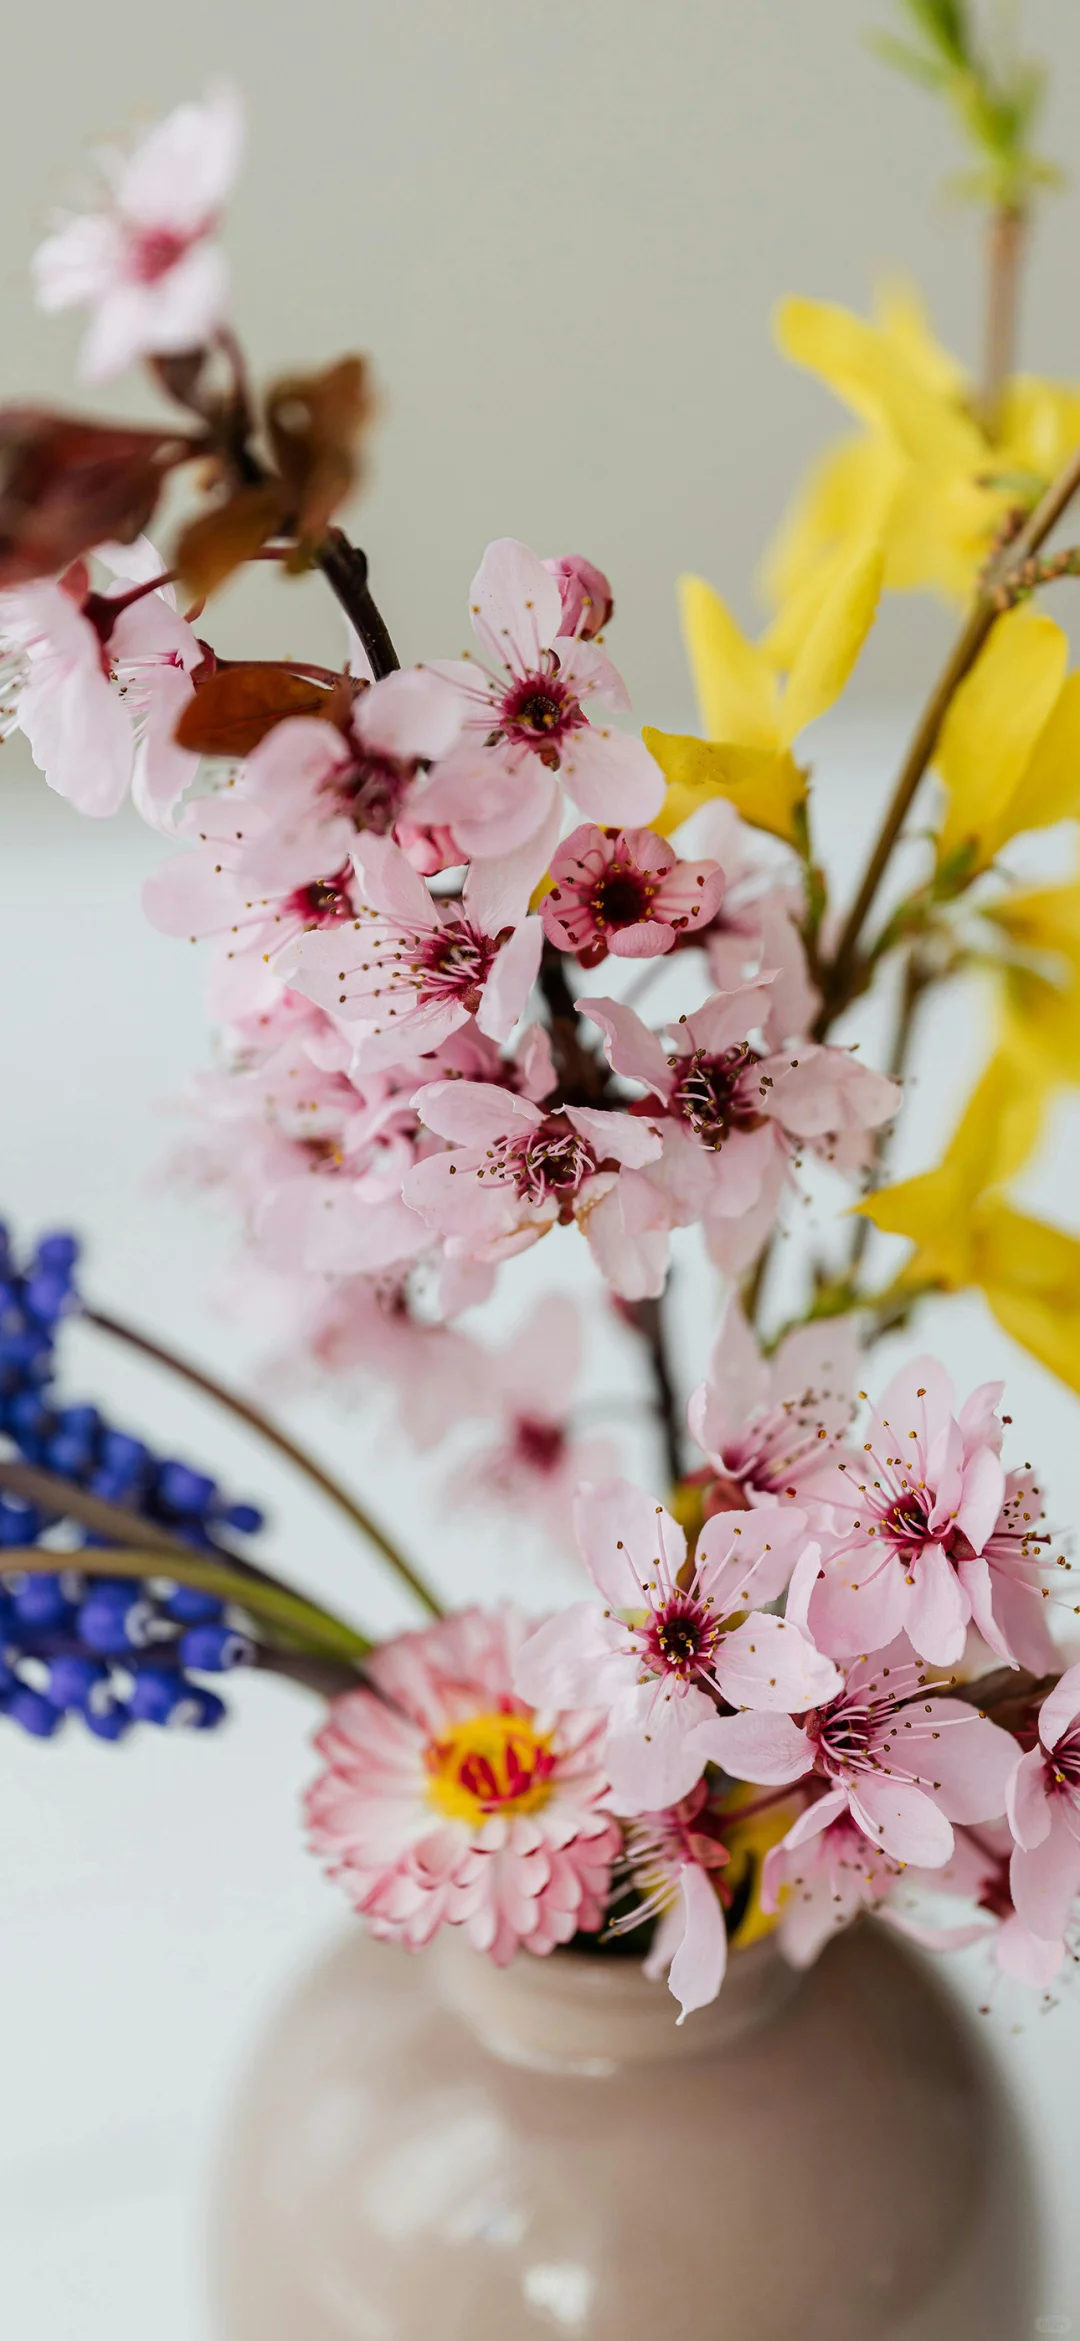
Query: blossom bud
x=587, y=599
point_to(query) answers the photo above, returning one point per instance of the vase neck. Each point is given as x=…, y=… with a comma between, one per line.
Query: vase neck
x=578, y=2012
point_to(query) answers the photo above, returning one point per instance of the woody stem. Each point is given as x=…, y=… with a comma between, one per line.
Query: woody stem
x=345, y=569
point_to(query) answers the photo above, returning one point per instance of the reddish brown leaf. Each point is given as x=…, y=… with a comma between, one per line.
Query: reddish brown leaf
x=215, y=544
x=315, y=423
x=66, y=485
x=236, y=707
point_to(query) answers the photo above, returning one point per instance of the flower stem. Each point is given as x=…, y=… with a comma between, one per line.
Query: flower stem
x=648, y=1318
x=264, y=1599
x=345, y=569
x=1006, y=241
x=914, y=982
x=274, y=1436
x=841, y=979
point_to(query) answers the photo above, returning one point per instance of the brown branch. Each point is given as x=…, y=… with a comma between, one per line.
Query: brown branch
x=647, y=1317
x=345, y=569
x=584, y=1076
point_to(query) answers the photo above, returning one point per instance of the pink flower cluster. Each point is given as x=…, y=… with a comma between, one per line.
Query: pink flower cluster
x=702, y=1667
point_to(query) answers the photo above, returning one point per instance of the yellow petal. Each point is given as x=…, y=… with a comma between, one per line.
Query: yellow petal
x=1030, y=1273
x=765, y=785
x=1042, y=919
x=904, y=320
x=876, y=379
x=992, y=727
x=1049, y=788
x=1041, y=1025
x=997, y=1133
x=846, y=500
x=832, y=645
x=737, y=689
x=1039, y=426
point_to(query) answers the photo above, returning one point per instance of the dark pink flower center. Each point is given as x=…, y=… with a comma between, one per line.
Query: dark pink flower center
x=453, y=965
x=549, y=1162
x=624, y=896
x=539, y=1445
x=539, y=711
x=1064, y=1763
x=716, y=1095
x=323, y=904
x=680, y=1637
x=153, y=251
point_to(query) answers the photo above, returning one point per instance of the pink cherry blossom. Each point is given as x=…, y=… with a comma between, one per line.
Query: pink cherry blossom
x=820, y=1876
x=672, y=1862
x=773, y=1428
x=200, y=893
x=146, y=264
x=525, y=735
x=533, y=1461
x=415, y=969
x=733, y=1112
x=98, y=689
x=588, y=603
x=513, y=1171
x=658, y=1680
x=625, y=891
x=317, y=786
x=902, y=1761
x=931, y=1534
x=1044, y=1815
x=447, y=1801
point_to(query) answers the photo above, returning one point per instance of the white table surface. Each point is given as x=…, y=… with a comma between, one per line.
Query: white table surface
x=157, y=1898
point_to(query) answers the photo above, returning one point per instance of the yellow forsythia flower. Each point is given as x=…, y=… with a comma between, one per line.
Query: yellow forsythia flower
x=1040, y=987
x=751, y=717
x=1009, y=752
x=922, y=477
x=966, y=1233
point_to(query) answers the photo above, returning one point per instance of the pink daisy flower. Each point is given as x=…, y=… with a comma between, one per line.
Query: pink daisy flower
x=525, y=734
x=773, y=1428
x=904, y=1765
x=932, y=1536
x=664, y=1651
x=146, y=263
x=626, y=891
x=445, y=1800
x=414, y=969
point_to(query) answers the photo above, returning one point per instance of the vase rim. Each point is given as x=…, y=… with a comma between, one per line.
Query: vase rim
x=575, y=2011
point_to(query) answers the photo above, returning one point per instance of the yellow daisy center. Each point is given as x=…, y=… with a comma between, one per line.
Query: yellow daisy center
x=493, y=1763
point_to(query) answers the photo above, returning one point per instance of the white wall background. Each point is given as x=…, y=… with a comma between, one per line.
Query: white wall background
x=559, y=231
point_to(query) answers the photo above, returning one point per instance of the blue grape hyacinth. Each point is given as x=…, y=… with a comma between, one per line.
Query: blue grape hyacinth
x=113, y=1650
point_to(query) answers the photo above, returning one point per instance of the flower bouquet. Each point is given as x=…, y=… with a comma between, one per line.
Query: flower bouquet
x=487, y=967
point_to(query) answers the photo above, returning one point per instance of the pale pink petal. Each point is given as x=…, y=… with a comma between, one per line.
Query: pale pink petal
x=627, y=1236
x=817, y=1090
x=969, y=1760
x=1029, y=1807
x=653, y=1753
x=724, y=1019
x=902, y=1819
x=625, y=1138
x=697, y=1969
x=1060, y=1707
x=747, y=1557
x=515, y=604
x=391, y=885
x=767, y=1664
x=1025, y=1956
x=631, y=1049
x=738, y=1382
x=1045, y=1880
x=628, y=1542
x=936, y=1612
x=512, y=977
x=982, y=1498
x=579, y=1658
x=611, y=776
x=768, y=1748
x=474, y=1113
x=407, y=715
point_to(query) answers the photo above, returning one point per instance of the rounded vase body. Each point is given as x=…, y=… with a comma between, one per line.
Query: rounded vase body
x=430, y=2149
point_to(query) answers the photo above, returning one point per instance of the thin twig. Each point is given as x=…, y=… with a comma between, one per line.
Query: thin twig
x=583, y=1074
x=1006, y=241
x=648, y=1317
x=345, y=569
x=915, y=981
x=275, y=1437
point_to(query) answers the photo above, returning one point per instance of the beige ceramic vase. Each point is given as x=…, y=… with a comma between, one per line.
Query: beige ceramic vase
x=430, y=2149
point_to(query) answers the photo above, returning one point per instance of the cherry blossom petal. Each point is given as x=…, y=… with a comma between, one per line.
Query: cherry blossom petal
x=1060, y=1707
x=579, y=1658
x=631, y=1049
x=936, y=1612
x=625, y=1138
x=768, y=1748
x=654, y=1754
x=473, y=1113
x=512, y=977
x=698, y=1966
x=611, y=776
x=1030, y=1808
x=627, y=1234
x=766, y=1663
x=515, y=604
x=1045, y=1880
x=628, y=1543
x=902, y=1819
x=409, y=714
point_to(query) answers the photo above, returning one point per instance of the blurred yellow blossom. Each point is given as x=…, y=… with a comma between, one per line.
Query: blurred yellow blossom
x=966, y=1233
x=1009, y=752
x=750, y=715
x=922, y=476
x=1040, y=982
